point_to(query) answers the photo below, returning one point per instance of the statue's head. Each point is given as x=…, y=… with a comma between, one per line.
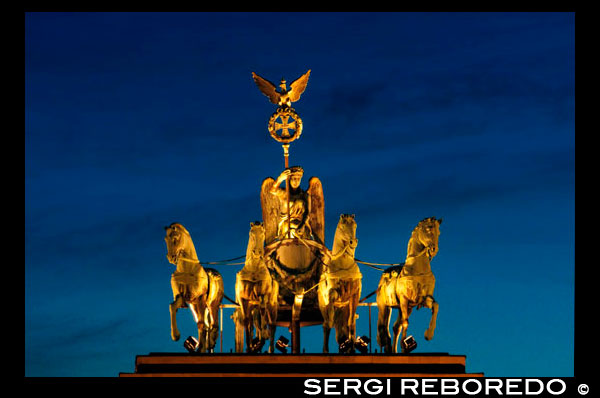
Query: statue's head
x=429, y=232
x=296, y=176
x=347, y=224
x=256, y=239
x=174, y=237
x=257, y=229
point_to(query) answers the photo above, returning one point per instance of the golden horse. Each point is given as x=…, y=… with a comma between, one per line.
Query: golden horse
x=200, y=288
x=256, y=290
x=408, y=286
x=340, y=287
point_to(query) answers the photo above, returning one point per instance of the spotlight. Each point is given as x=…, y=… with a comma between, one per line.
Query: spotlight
x=191, y=344
x=409, y=344
x=256, y=345
x=362, y=344
x=346, y=347
x=282, y=345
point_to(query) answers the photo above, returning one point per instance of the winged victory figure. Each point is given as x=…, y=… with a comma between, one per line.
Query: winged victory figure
x=284, y=97
x=306, y=208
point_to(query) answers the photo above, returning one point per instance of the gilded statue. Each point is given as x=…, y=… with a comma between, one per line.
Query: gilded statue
x=195, y=286
x=340, y=287
x=299, y=215
x=284, y=97
x=409, y=285
x=257, y=292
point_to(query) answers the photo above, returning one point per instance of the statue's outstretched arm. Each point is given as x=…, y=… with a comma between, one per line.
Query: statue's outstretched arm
x=282, y=177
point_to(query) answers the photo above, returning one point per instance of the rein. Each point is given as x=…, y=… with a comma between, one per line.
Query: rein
x=224, y=262
x=227, y=262
x=373, y=265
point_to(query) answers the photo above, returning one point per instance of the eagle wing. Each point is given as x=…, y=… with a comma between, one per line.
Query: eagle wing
x=317, y=209
x=298, y=86
x=267, y=88
x=270, y=210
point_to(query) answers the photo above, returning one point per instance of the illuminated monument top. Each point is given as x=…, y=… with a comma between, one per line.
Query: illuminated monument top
x=290, y=277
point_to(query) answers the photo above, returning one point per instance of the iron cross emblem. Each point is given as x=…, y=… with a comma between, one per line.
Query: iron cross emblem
x=285, y=125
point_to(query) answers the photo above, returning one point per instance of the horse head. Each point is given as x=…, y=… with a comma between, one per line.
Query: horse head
x=256, y=239
x=344, y=242
x=179, y=244
x=427, y=233
x=175, y=237
x=346, y=229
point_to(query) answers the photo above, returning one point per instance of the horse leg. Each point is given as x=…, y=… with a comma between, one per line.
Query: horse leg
x=271, y=313
x=178, y=303
x=256, y=324
x=239, y=330
x=265, y=319
x=327, y=313
x=352, y=316
x=342, y=329
x=396, y=329
x=198, y=309
x=431, y=303
x=247, y=322
x=272, y=330
x=325, y=306
x=326, y=333
x=213, y=325
x=402, y=322
x=383, y=327
x=273, y=310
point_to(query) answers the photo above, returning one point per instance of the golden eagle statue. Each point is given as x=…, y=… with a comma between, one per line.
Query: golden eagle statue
x=284, y=97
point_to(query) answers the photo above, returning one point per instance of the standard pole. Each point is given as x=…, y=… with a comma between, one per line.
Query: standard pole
x=295, y=329
x=370, y=328
x=286, y=155
x=221, y=326
x=295, y=323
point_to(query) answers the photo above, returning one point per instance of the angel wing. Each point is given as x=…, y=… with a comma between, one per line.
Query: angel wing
x=298, y=86
x=316, y=209
x=270, y=210
x=267, y=88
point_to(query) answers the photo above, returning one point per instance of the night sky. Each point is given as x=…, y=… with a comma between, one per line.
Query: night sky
x=137, y=120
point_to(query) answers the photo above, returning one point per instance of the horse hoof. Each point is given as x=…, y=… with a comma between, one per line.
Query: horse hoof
x=428, y=335
x=175, y=337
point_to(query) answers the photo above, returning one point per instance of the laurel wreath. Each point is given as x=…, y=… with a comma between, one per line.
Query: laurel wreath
x=290, y=112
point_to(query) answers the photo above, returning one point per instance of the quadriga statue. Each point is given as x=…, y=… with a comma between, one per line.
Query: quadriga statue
x=408, y=286
x=195, y=286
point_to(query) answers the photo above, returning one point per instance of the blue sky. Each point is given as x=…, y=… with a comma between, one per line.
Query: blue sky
x=136, y=120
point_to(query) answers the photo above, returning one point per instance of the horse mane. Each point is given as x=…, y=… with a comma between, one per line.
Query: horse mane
x=413, y=240
x=337, y=241
x=249, y=248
